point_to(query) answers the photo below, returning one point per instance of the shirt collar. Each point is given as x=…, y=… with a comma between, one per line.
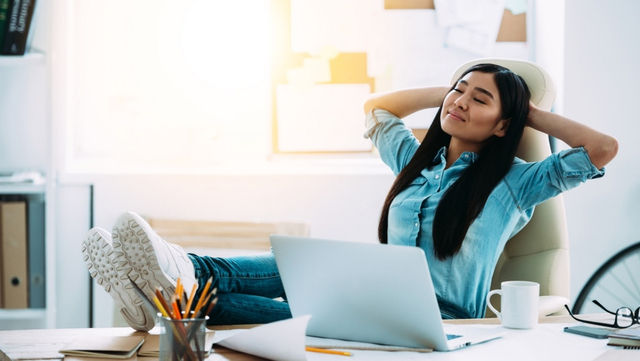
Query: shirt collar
x=467, y=157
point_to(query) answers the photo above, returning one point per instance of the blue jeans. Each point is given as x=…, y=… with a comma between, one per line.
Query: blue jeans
x=247, y=288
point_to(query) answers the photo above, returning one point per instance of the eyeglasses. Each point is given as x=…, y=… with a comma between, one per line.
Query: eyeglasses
x=624, y=316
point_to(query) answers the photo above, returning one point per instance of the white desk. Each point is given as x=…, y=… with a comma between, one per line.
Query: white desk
x=546, y=342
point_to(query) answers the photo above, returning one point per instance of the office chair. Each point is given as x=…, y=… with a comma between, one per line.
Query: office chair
x=540, y=251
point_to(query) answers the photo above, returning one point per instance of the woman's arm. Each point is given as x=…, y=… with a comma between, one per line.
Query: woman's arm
x=602, y=148
x=407, y=101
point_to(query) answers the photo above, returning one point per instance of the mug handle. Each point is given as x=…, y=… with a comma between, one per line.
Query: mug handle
x=499, y=292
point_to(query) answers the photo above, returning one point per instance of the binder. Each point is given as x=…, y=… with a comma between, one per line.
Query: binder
x=36, y=252
x=13, y=241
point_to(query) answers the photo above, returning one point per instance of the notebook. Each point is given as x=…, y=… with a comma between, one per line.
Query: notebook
x=365, y=292
x=108, y=347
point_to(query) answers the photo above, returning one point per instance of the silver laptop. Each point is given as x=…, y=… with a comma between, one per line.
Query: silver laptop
x=368, y=293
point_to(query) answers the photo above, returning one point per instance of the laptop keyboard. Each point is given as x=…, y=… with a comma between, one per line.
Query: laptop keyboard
x=451, y=337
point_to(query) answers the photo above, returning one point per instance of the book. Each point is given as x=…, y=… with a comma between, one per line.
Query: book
x=111, y=347
x=625, y=337
x=4, y=9
x=150, y=347
x=20, y=14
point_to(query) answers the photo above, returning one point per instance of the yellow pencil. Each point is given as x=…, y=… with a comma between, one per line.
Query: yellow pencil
x=187, y=308
x=160, y=307
x=203, y=294
x=333, y=352
x=178, y=290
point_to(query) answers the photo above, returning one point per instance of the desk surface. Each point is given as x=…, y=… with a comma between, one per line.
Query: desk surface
x=44, y=344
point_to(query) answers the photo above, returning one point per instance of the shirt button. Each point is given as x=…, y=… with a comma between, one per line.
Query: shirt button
x=417, y=224
x=437, y=176
x=466, y=156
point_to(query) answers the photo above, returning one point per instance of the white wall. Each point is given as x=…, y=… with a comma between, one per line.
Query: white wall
x=602, y=90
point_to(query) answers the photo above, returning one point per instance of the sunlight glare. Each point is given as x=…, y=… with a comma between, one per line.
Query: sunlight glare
x=226, y=43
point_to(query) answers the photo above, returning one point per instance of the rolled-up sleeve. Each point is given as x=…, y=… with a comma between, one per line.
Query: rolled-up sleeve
x=394, y=141
x=556, y=174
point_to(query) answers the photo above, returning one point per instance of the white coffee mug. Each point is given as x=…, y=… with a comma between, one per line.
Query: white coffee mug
x=519, y=304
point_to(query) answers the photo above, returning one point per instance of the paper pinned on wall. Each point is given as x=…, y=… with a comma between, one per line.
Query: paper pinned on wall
x=457, y=12
x=476, y=36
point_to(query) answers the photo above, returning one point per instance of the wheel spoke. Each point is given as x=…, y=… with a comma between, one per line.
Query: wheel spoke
x=635, y=284
x=615, y=282
x=611, y=294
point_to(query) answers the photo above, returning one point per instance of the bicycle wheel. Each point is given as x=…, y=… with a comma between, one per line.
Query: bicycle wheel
x=615, y=284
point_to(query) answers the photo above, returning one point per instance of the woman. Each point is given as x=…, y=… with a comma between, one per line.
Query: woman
x=459, y=195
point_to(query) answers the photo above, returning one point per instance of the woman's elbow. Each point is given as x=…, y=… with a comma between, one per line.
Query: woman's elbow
x=606, y=150
x=369, y=104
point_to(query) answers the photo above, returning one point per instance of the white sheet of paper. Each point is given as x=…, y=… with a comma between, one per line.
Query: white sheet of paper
x=479, y=36
x=455, y=12
x=282, y=340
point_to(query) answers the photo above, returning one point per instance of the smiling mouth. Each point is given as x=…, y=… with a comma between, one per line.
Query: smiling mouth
x=455, y=116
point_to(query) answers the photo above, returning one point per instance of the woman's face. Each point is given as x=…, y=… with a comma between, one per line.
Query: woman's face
x=471, y=112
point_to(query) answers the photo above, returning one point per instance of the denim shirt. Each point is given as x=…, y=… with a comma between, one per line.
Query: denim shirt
x=462, y=281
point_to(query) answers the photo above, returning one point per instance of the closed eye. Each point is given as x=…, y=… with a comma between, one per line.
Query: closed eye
x=479, y=101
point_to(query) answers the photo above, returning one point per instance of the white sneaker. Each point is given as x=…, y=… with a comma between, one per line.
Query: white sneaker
x=99, y=256
x=149, y=260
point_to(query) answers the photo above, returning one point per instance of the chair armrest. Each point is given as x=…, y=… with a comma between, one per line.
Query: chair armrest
x=551, y=304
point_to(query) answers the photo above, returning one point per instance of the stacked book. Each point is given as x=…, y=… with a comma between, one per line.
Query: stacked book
x=15, y=20
x=629, y=338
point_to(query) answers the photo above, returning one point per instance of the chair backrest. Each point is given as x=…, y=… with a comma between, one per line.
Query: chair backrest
x=540, y=251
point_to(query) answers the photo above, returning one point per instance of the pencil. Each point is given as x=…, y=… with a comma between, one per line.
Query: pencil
x=160, y=307
x=164, y=303
x=202, y=295
x=211, y=305
x=333, y=352
x=178, y=284
x=201, y=303
x=176, y=310
x=190, y=301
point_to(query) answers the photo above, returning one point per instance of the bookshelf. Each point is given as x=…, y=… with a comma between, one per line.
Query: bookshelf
x=31, y=58
x=26, y=86
x=37, y=315
x=22, y=189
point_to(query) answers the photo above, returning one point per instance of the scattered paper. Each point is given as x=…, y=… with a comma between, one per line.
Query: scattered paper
x=282, y=340
x=473, y=25
x=456, y=12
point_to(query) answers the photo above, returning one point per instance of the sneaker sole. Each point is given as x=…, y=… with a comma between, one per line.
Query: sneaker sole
x=137, y=258
x=99, y=257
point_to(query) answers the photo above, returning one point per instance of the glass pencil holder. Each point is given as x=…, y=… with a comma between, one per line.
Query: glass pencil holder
x=183, y=339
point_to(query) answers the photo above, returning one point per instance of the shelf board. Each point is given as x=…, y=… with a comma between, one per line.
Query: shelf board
x=22, y=314
x=22, y=188
x=31, y=58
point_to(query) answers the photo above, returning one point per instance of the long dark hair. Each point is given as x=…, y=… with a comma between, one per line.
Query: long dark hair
x=465, y=199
